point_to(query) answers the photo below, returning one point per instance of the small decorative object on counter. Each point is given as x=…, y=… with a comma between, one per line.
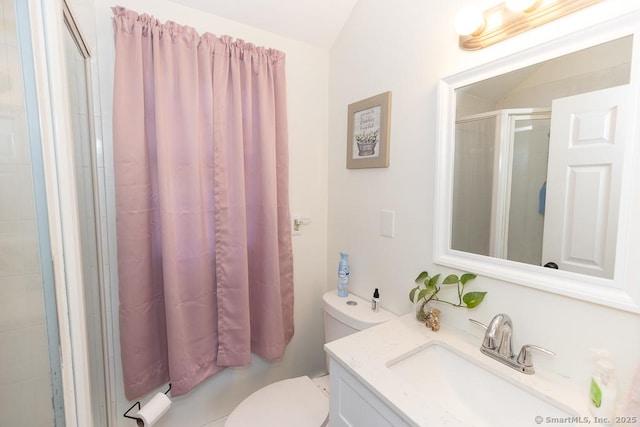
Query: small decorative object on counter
x=375, y=301
x=433, y=319
x=343, y=275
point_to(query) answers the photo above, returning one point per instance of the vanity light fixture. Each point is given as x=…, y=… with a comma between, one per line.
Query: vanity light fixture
x=522, y=5
x=481, y=29
x=469, y=21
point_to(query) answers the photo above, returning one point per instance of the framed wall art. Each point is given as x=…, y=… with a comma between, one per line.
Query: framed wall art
x=368, y=125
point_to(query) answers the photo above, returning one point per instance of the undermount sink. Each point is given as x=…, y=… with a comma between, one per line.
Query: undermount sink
x=470, y=392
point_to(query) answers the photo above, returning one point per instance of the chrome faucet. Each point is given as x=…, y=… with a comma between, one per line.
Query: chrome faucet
x=497, y=344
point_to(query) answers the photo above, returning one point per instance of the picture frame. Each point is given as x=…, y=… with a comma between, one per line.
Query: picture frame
x=368, y=128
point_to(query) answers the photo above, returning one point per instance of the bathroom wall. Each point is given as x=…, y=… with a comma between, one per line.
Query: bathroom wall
x=307, y=87
x=406, y=47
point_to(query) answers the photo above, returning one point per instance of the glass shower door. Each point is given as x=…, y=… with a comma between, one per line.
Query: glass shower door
x=529, y=154
x=474, y=184
x=77, y=59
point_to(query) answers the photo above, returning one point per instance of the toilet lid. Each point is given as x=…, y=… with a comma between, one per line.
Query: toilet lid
x=290, y=402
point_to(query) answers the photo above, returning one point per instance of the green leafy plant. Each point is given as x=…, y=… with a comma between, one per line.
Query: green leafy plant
x=428, y=288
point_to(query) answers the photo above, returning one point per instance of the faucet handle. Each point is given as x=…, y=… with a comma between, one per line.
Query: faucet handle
x=524, y=357
x=489, y=340
x=482, y=325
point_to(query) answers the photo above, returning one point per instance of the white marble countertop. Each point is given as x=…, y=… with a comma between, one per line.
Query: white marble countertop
x=368, y=354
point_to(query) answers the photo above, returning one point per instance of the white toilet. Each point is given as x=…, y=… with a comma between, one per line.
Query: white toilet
x=303, y=402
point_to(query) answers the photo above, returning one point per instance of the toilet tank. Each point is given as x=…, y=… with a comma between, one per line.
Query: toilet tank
x=346, y=315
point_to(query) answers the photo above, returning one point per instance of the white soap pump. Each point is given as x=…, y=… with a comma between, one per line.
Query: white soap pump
x=603, y=388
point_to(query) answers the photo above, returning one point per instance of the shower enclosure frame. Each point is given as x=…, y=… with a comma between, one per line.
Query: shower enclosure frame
x=504, y=141
x=41, y=26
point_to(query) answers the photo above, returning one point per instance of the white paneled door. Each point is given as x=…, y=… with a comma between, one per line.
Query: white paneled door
x=586, y=153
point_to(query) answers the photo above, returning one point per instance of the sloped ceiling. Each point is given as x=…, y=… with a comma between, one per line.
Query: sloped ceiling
x=316, y=22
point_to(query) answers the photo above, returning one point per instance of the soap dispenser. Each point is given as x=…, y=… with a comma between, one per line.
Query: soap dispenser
x=603, y=388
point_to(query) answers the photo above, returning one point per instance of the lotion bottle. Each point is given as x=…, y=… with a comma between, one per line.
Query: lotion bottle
x=375, y=301
x=603, y=388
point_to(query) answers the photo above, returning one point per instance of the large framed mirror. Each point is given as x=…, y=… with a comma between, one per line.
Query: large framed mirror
x=537, y=166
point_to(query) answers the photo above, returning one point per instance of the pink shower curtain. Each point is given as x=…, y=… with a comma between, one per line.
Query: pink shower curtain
x=201, y=173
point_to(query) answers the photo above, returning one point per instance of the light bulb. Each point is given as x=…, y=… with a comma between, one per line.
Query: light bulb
x=469, y=21
x=521, y=5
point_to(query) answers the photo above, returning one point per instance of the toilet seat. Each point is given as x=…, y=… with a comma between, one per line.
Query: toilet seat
x=290, y=402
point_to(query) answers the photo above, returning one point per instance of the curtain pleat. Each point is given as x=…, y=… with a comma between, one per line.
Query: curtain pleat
x=201, y=172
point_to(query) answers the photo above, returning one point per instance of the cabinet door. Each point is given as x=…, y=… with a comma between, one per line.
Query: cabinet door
x=353, y=405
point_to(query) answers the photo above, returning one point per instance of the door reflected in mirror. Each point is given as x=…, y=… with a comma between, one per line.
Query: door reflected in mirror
x=538, y=156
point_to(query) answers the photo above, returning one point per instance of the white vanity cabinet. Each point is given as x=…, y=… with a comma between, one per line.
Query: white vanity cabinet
x=354, y=405
x=402, y=374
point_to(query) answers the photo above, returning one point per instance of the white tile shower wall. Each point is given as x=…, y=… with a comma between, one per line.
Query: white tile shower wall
x=24, y=364
x=307, y=88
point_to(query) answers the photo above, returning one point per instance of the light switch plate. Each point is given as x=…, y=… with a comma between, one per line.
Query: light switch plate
x=387, y=223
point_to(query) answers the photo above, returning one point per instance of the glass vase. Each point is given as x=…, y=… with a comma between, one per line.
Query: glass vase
x=428, y=314
x=423, y=308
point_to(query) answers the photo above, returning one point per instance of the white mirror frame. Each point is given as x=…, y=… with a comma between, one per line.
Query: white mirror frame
x=621, y=292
